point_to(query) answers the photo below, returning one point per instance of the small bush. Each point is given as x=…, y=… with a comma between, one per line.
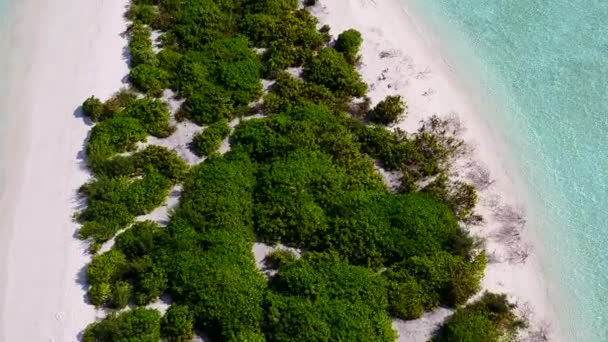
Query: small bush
x=331, y=69
x=152, y=114
x=149, y=79
x=93, y=108
x=489, y=319
x=140, y=45
x=170, y=60
x=102, y=272
x=161, y=160
x=388, y=111
x=348, y=43
x=138, y=324
x=139, y=240
x=142, y=13
x=118, y=101
x=115, y=135
x=122, y=293
x=178, y=324
x=279, y=258
x=208, y=141
x=210, y=105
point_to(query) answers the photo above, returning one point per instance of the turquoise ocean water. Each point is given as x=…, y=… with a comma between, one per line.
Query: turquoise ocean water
x=540, y=69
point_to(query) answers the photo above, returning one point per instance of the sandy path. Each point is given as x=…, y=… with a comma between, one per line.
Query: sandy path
x=62, y=52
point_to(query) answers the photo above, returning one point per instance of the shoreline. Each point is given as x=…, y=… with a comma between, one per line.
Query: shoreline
x=65, y=52
x=417, y=70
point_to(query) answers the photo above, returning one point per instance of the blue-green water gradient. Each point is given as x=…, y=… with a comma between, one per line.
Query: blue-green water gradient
x=541, y=66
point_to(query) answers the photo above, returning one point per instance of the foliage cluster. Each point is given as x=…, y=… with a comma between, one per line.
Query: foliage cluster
x=222, y=76
x=331, y=69
x=348, y=43
x=122, y=122
x=288, y=34
x=208, y=141
x=490, y=319
x=304, y=175
x=127, y=186
x=313, y=296
x=135, y=325
x=388, y=111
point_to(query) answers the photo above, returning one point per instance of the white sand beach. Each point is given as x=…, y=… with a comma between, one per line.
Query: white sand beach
x=61, y=51
x=66, y=50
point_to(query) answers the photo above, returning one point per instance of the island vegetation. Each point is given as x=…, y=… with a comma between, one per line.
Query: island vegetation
x=303, y=175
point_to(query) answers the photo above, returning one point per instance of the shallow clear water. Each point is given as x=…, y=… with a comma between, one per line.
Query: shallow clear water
x=542, y=66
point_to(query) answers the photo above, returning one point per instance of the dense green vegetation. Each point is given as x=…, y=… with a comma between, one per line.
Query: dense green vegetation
x=304, y=175
x=135, y=325
x=208, y=141
x=348, y=43
x=490, y=319
x=127, y=186
x=388, y=111
x=314, y=295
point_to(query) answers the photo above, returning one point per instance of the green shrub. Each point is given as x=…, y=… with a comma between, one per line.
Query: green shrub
x=118, y=101
x=405, y=298
x=152, y=158
x=442, y=278
x=150, y=79
x=388, y=111
x=139, y=240
x=208, y=106
x=242, y=79
x=140, y=45
x=139, y=324
x=198, y=23
x=142, y=13
x=170, y=61
x=102, y=272
x=122, y=293
x=331, y=69
x=178, y=324
x=208, y=141
x=145, y=194
x=320, y=297
x=460, y=196
x=279, y=258
x=319, y=275
x=490, y=319
x=113, y=202
x=149, y=280
x=93, y=108
x=193, y=75
x=161, y=160
x=293, y=318
x=224, y=289
x=348, y=43
x=152, y=114
x=289, y=92
x=115, y=135
x=102, y=219
x=278, y=57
